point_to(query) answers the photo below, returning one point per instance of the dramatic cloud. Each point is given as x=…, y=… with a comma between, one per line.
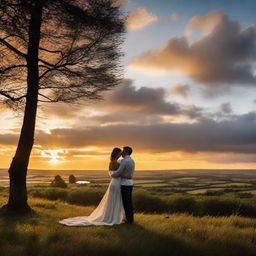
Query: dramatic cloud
x=224, y=56
x=226, y=108
x=236, y=136
x=140, y=18
x=146, y=100
x=180, y=89
x=125, y=104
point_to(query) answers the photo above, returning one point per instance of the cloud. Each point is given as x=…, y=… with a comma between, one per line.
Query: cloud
x=121, y=2
x=214, y=91
x=123, y=117
x=140, y=18
x=225, y=56
x=228, y=158
x=235, y=136
x=226, y=108
x=205, y=24
x=147, y=101
x=124, y=104
x=61, y=110
x=8, y=139
x=180, y=89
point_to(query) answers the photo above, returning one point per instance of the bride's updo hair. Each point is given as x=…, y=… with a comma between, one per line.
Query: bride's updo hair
x=114, y=153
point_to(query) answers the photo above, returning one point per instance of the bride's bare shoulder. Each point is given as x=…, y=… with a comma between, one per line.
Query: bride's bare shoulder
x=113, y=165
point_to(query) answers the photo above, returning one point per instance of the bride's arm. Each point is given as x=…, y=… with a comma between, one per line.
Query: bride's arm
x=109, y=169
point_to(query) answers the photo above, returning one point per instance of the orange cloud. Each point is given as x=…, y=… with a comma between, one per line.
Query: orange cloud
x=140, y=18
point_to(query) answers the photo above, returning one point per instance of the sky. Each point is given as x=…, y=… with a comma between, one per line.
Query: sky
x=187, y=100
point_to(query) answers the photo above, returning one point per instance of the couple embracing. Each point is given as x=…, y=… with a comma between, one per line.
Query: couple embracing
x=117, y=200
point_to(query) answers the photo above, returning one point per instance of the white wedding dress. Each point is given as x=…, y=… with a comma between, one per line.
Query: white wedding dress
x=108, y=212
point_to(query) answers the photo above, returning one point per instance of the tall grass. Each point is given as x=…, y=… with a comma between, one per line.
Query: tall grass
x=152, y=234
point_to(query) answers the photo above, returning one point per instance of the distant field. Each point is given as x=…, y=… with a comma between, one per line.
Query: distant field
x=171, y=181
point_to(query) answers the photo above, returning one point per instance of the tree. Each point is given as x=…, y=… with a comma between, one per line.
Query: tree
x=72, y=179
x=54, y=51
x=58, y=182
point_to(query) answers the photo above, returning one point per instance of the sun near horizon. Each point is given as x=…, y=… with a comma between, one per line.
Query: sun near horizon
x=60, y=159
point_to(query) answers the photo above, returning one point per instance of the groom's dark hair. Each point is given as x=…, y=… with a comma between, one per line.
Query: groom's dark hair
x=128, y=150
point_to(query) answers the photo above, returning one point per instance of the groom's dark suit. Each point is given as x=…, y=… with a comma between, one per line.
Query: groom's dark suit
x=126, y=169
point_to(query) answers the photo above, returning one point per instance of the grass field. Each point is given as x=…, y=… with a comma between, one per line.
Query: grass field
x=152, y=234
x=176, y=214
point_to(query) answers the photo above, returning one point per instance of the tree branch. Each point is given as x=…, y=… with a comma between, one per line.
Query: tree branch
x=46, y=97
x=51, y=51
x=11, y=67
x=56, y=68
x=9, y=46
x=13, y=48
x=10, y=97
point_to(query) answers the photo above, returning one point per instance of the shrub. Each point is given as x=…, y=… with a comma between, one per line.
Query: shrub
x=85, y=196
x=219, y=207
x=72, y=179
x=247, y=210
x=58, y=182
x=214, y=192
x=244, y=195
x=50, y=193
x=146, y=202
x=184, y=204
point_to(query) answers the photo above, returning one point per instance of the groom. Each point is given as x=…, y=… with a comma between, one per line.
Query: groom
x=125, y=171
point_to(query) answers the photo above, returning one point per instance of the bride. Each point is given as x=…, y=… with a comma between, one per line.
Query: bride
x=110, y=209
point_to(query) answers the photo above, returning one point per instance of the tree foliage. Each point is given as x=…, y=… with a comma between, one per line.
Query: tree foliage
x=78, y=52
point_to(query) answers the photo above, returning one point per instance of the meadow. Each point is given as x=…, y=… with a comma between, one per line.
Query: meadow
x=169, y=219
x=152, y=234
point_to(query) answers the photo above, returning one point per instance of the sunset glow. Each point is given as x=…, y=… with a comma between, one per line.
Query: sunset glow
x=187, y=99
x=53, y=155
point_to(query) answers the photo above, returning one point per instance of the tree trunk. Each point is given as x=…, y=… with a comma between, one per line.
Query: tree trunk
x=18, y=170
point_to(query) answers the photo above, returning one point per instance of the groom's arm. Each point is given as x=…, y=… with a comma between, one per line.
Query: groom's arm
x=120, y=170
